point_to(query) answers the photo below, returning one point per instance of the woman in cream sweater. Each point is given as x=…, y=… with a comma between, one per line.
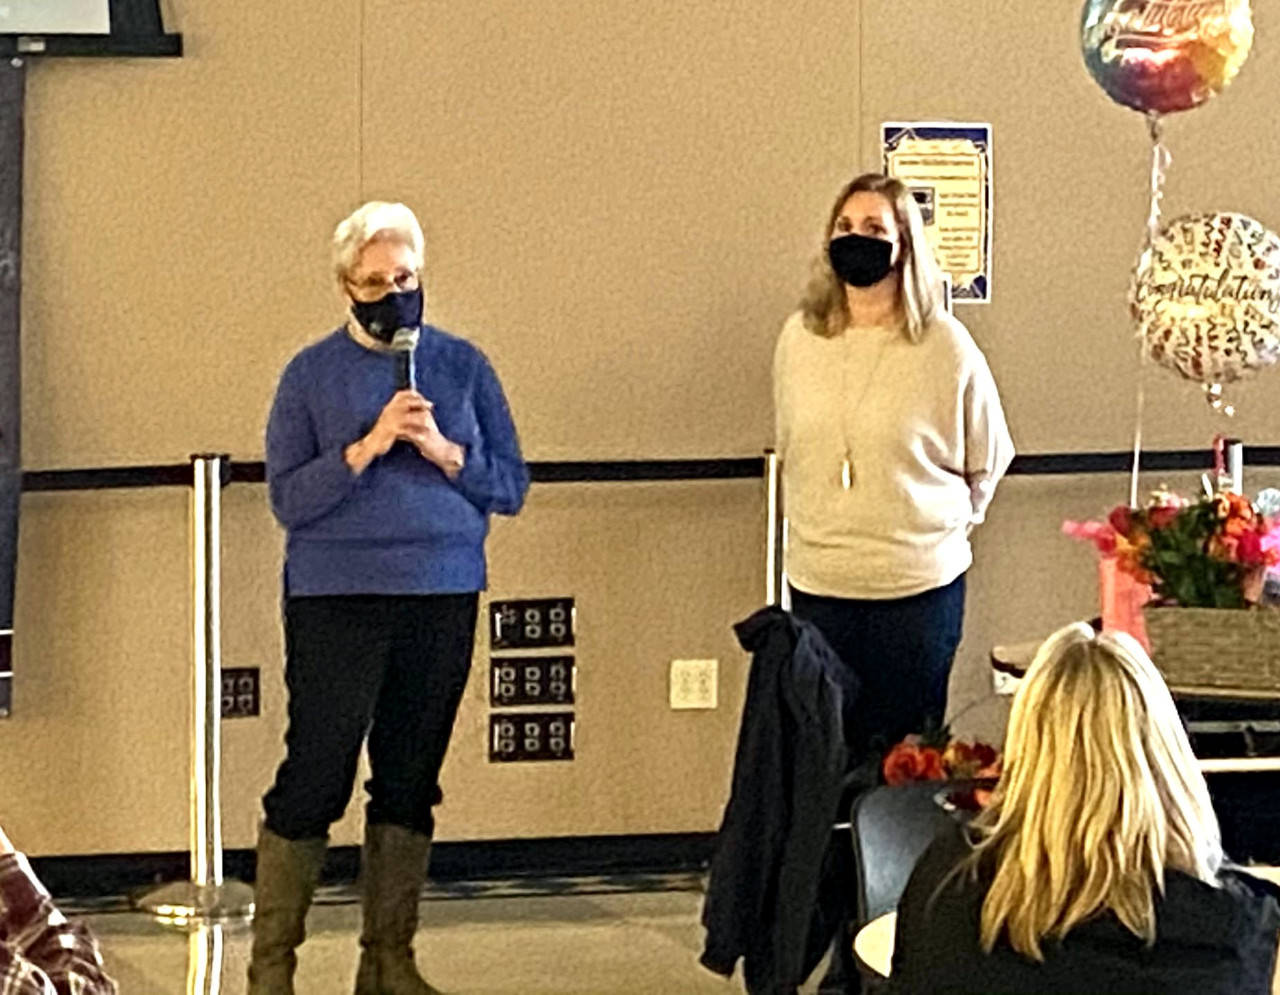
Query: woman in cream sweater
x=892, y=441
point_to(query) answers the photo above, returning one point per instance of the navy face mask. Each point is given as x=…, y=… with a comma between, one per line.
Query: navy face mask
x=860, y=261
x=387, y=315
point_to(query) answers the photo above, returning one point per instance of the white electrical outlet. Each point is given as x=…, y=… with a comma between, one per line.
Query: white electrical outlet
x=1005, y=683
x=693, y=683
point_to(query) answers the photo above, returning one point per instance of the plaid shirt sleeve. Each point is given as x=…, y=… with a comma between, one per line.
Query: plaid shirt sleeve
x=41, y=953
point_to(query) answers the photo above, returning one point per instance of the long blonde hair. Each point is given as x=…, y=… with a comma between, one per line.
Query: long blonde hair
x=1099, y=796
x=825, y=306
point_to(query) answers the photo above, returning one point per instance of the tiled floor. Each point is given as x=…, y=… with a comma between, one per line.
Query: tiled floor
x=593, y=936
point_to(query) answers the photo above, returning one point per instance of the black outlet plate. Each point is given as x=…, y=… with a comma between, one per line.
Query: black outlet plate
x=531, y=680
x=518, y=736
x=241, y=693
x=531, y=624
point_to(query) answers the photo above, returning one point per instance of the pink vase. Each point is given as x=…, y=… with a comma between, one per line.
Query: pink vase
x=1122, y=598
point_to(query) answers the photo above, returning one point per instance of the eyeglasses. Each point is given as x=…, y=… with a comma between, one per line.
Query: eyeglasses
x=377, y=285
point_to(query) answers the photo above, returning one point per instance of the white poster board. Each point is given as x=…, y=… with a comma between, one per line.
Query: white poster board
x=948, y=168
x=55, y=17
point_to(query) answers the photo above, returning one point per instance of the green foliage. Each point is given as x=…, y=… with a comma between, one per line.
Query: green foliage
x=1178, y=558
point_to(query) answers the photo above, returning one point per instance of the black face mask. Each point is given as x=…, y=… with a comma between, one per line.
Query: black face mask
x=860, y=261
x=387, y=315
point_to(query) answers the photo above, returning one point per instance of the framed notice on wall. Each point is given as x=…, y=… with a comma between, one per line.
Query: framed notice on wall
x=948, y=168
x=55, y=17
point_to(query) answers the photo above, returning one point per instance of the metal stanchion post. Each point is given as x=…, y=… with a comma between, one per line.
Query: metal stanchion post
x=206, y=897
x=1235, y=464
x=775, y=553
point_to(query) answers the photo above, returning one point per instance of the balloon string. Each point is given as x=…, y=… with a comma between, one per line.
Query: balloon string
x=1137, y=440
x=1160, y=159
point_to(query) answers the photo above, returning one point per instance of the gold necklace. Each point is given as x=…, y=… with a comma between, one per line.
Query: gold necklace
x=846, y=465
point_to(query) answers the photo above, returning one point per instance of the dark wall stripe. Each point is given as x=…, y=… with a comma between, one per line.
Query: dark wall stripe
x=587, y=471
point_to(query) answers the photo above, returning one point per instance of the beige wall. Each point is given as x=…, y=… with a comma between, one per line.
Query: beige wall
x=620, y=202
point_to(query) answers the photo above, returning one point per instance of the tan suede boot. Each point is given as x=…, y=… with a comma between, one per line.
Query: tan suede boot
x=393, y=869
x=287, y=874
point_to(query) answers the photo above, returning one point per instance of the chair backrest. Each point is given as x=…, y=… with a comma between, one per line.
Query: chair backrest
x=891, y=828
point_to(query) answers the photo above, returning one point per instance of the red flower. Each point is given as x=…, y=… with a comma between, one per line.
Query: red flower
x=1162, y=517
x=1103, y=536
x=902, y=764
x=909, y=762
x=1121, y=519
x=964, y=760
x=987, y=755
x=933, y=769
x=1249, y=550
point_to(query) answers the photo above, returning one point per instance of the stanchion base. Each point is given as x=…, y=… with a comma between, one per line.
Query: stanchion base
x=184, y=903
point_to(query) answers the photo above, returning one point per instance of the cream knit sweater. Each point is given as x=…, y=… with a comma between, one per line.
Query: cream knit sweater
x=921, y=428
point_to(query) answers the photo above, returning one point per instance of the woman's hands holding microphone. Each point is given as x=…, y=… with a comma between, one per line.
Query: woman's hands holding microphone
x=407, y=416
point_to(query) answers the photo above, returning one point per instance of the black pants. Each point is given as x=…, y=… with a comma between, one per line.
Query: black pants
x=902, y=650
x=391, y=667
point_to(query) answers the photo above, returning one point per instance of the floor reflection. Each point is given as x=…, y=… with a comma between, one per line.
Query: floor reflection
x=204, y=960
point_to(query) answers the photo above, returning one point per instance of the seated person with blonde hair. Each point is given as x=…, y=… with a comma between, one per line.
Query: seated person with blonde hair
x=1098, y=865
x=41, y=953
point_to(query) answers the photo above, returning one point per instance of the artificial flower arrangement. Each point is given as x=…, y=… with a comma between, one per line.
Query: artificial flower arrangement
x=1213, y=552
x=936, y=756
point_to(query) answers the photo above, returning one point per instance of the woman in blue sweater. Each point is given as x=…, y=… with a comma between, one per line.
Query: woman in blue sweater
x=385, y=492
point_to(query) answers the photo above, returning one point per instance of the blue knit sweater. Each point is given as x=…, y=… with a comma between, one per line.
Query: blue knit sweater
x=400, y=527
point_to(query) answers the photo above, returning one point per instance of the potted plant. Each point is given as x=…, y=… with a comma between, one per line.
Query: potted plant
x=1205, y=562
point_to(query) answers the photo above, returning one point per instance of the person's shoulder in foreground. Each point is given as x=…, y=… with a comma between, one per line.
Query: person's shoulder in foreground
x=1210, y=941
x=1097, y=866
x=40, y=951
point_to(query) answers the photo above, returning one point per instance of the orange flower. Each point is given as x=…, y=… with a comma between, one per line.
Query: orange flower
x=1129, y=556
x=1237, y=526
x=933, y=768
x=966, y=760
x=1228, y=506
x=910, y=761
x=902, y=764
x=1224, y=547
x=958, y=759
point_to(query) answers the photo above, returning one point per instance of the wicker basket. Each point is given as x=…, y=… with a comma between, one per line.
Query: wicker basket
x=1217, y=651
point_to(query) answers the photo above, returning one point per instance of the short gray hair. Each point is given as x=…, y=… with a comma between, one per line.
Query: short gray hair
x=371, y=221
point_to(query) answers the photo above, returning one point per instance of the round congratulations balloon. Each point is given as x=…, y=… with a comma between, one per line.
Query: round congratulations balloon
x=1160, y=56
x=1206, y=297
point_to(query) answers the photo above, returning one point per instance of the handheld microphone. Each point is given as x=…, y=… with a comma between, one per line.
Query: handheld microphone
x=403, y=343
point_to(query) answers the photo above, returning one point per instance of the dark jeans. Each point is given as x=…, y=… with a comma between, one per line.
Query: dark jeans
x=902, y=650
x=392, y=667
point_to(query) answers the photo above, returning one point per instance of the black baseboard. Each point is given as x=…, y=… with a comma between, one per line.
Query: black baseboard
x=103, y=875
